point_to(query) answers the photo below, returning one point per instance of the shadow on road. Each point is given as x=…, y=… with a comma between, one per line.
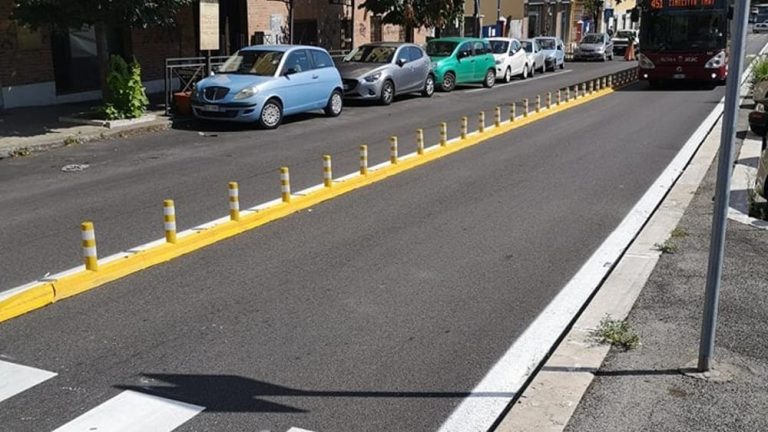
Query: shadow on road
x=232, y=393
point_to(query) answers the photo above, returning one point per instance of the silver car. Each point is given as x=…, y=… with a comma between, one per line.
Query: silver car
x=554, y=52
x=381, y=71
x=594, y=46
x=535, y=55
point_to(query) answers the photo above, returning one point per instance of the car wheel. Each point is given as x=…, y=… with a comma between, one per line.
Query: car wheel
x=387, y=93
x=562, y=65
x=532, y=70
x=508, y=75
x=335, y=104
x=449, y=82
x=271, y=114
x=429, y=86
x=524, y=75
x=490, y=78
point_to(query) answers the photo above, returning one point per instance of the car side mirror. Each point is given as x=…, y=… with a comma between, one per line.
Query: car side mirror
x=401, y=61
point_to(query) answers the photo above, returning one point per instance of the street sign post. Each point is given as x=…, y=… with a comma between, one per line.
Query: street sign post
x=722, y=194
x=209, y=29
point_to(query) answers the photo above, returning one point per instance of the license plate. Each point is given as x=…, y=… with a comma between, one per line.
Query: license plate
x=211, y=108
x=678, y=76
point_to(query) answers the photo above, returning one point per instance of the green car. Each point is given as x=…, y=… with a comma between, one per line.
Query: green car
x=458, y=60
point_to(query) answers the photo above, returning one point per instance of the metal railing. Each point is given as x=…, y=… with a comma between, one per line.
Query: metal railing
x=182, y=73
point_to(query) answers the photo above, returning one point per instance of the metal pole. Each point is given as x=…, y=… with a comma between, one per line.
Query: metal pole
x=722, y=194
x=290, y=24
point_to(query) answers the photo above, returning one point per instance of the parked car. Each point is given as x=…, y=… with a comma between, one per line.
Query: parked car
x=554, y=52
x=535, y=55
x=621, y=41
x=594, y=46
x=266, y=82
x=457, y=60
x=760, y=27
x=511, y=59
x=381, y=71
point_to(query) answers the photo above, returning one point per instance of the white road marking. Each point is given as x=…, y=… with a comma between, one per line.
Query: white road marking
x=518, y=82
x=295, y=429
x=15, y=378
x=743, y=181
x=132, y=411
x=517, y=364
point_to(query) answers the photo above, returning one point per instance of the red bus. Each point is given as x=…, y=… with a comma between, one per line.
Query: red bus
x=684, y=40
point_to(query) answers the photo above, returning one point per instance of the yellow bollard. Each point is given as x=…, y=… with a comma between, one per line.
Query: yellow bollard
x=327, y=171
x=363, y=159
x=591, y=86
x=420, y=141
x=169, y=216
x=559, y=96
x=497, y=117
x=393, y=150
x=549, y=100
x=610, y=81
x=583, y=89
x=89, y=246
x=443, y=134
x=464, y=127
x=512, y=114
x=567, y=94
x=285, y=184
x=234, y=202
x=525, y=107
x=538, y=103
x=481, y=122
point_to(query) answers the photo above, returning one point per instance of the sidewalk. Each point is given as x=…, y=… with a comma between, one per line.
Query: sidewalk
x=650, y=388
x=24, y=130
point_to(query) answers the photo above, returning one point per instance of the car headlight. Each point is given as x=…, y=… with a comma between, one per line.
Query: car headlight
x=246, y=93
x=373, y=77
x=498, y=62
x=644, y=62
x=716, y=62
x=600, y=49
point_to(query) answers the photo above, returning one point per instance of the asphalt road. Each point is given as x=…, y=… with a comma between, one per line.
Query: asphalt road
x=122, y=190
x=379, y=310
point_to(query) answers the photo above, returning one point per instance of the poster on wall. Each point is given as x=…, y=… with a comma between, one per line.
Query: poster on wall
x=209, y=25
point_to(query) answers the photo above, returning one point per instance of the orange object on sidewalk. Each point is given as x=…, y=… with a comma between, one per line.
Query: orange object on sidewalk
x=629, y=53
x=182, y=102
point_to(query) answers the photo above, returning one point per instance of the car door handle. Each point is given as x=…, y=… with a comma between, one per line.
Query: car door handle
x=315, y=76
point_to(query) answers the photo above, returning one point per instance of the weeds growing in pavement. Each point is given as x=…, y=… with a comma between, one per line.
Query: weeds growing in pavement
x=678, y=233
x=20, y=152
x=618, y=333
x=668, y=247
x=757, y=209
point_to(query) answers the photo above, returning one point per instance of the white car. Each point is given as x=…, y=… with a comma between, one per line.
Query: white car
x=760, y=27
x=511, y=59
x=535, y=54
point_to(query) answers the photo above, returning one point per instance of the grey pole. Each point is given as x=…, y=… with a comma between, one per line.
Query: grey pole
x=722, y=194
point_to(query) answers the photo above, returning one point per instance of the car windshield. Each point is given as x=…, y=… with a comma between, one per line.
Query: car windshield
x=592, y=39
x=625, y=34
x=546, y=44
x=684, y=32
x=252, y=62
x=499, y=46
x=440, y=48
x=527, y=46
x=371, y=54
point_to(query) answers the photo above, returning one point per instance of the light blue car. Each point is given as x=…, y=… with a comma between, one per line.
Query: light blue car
x=264, y=83
x=554, y=52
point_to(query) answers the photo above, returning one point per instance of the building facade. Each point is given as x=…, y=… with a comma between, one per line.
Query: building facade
x=44, y=68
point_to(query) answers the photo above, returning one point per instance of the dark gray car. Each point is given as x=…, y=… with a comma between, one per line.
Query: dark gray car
x=594, y=46
x=381, y=71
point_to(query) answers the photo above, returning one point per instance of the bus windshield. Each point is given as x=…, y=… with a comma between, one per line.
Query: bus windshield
x=683, y=32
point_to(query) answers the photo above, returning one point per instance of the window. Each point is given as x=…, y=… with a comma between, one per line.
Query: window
x=478, y=47
x=376, y=29
x=371, y=54
x=465, y=49
x=321, y=59
x=255, y=62
x=413, y=53
x=499, y=46
x=516, y=45
x=297, y=61
x=440, y=48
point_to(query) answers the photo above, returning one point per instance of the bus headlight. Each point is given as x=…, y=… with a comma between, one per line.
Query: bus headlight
x=716, y=62
x=644, y=62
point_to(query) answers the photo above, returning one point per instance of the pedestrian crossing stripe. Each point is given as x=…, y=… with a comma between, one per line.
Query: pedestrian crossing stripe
x=131, y=411
x=15, y=378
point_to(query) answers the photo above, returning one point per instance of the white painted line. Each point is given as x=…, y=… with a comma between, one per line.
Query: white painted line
x=15, y=378
x=132, y=411
x=509, y=374
x=743, y=182
x=518, y=82
x=295, y=429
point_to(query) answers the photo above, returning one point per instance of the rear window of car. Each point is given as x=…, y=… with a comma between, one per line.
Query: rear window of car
x=440, y=48
x=321, y=59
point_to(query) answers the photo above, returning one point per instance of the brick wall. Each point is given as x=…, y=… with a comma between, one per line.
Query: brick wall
x=26, y=55
x=260, y=12
x=152, y=46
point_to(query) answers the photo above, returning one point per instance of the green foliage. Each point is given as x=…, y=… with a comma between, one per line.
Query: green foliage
x=415, y=13
x=679, y=233
x=62, y=15
x=617, y=333
x=668, y=247
x=126, y=98
x=759, y=71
